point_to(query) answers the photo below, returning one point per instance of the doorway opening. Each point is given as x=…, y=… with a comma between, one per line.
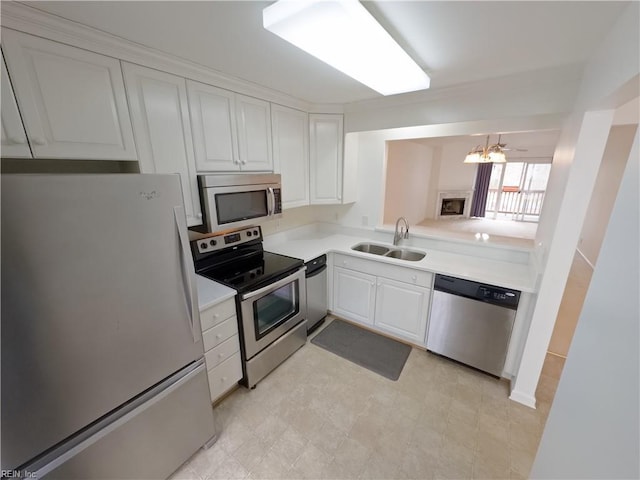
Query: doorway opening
x=517, y=190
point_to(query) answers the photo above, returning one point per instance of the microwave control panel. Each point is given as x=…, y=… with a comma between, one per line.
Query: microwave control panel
x=277, y=201
x=228, y=239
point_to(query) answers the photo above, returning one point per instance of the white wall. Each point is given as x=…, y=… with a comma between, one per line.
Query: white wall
x=582, y=171
x=593, y=427
x=371, y=152
x=573, y=174
x=454, y=174
x=532, y=93
x=407, y=182
x=605, y=190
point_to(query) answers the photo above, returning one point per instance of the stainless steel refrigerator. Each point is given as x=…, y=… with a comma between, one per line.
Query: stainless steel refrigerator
x=102, y=357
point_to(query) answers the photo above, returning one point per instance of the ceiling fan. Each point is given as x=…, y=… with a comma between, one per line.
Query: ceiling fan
x=494, y=153
x=513, y=149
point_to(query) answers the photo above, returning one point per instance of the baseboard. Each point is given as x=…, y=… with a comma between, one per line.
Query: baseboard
x=523, y=398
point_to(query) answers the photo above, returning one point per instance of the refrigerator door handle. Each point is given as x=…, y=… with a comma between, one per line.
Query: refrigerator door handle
x=188, y=273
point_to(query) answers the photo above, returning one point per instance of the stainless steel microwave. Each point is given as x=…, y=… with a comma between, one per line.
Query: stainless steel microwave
x=230, y=201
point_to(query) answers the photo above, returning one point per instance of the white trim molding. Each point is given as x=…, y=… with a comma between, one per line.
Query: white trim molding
x=30, y=20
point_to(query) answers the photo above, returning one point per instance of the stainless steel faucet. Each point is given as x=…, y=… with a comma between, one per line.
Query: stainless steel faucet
x=402, y=233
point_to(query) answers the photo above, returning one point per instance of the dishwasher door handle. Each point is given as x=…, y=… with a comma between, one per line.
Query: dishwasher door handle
x=317, y=272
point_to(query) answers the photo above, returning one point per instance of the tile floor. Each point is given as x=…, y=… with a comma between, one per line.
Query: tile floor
x=318, y=416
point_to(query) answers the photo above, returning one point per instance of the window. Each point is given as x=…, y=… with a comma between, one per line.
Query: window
x=516, y=190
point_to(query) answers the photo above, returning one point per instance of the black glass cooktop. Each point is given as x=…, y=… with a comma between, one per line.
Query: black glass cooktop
x=250, y=271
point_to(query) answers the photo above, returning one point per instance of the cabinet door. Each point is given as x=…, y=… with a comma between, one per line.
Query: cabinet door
x=158, y=103
x=354, y=295
x=254, y=134
x=14, y=138
x=291, y=154
x=325, y=158
x=401, y=309
x=213, y=120
x=72, y=101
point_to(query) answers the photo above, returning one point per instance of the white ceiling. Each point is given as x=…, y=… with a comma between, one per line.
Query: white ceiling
x=454, y=41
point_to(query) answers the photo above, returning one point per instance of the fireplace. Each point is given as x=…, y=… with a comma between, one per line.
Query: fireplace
x=452, y=207
x=453, y=204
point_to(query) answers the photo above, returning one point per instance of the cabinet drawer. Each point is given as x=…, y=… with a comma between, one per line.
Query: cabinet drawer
x=216, y=314
x=219, y=354
x=218, y=334
x=383, y=269
x=224, y=376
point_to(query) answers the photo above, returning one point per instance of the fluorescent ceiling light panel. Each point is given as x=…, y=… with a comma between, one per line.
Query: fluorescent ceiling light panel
x=347, y=37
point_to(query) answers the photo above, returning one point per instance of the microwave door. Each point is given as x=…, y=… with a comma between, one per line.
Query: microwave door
x=236, y=206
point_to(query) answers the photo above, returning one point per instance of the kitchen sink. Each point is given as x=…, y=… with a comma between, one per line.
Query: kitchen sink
x=404, y=254
x=370, y=248
x=399, y=253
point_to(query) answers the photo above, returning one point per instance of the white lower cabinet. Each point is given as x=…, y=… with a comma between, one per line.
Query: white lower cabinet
x=354, y=295
x=401, y=309
x=382, y=298
x=221, y=347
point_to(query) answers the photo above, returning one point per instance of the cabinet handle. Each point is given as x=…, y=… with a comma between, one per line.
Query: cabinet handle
x=344, y=262
x=220, y=355
x=218, y=337
x=414, y=278
x=243, y=162
x=373, y=284
x=18, y=140
x=39, y=141
x=216, y=315
x=223, y=379
x=339, y=197
x=198, y=215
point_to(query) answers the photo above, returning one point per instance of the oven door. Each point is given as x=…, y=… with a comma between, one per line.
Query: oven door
x=271, y=311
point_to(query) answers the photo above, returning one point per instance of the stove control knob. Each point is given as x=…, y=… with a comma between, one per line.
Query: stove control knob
x=255, y=232
x=249, y=233
x=213, y=243
x=203, y=245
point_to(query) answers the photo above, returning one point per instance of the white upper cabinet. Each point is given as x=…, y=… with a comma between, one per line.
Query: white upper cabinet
x=72, y=101
x=160, y=114
x=231, y=132
x=325, y=158
x=213, y=120
x=254, y=133
x=14, y=138
x=291, y=154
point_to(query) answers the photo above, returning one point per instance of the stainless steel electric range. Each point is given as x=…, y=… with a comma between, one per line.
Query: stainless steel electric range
x=271, y=301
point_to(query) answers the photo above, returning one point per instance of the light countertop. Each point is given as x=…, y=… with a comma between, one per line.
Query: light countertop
x=211, y=293
x=486, y=270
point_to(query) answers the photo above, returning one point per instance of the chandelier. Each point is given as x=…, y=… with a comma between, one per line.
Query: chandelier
x=487, y=154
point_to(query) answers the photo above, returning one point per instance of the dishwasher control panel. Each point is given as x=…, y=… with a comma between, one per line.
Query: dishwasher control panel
x=503, y=297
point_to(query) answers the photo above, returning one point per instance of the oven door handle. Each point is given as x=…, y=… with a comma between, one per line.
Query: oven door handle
x=274, y=286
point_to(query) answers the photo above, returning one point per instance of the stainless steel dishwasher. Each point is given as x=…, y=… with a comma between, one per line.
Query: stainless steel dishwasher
x=471, y=322
x=316, y=292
